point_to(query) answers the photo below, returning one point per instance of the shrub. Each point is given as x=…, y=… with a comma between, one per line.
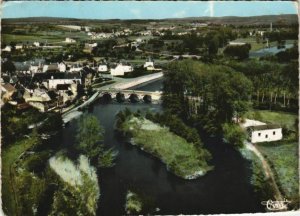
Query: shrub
x=233, y=134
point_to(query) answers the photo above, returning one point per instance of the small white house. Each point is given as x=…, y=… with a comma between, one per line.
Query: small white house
x=70, y=40
x=62, y=67
x=120, y=70
x=36, y=68
x=233, y=43
x=37, y=44
x=265, y=133
x=149, y=63
x=19, y=46
x=7, y=49
x=102, y=68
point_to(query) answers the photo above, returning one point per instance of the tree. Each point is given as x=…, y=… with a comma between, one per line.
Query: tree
x=233, y=134
x=90, y=137
x=239, y=52
x=8, y=66
x=213, y=46
x=214, y=94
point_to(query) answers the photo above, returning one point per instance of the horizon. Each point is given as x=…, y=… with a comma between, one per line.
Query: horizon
x=167, y=18
x=132, y=10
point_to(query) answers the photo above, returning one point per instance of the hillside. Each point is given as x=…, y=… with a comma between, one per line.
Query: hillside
x=286, y=19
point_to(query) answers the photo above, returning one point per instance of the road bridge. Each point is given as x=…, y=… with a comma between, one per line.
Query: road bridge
x=146, y=96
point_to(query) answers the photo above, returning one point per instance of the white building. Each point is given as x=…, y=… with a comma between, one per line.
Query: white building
x=91, y=45
x=232, y=43
x=121, y=69
x=52, y=83
x=7, y=49
x=76, y=68
x=102, y=68
x=19, y=46
x=264, y=133
x=62, y=67
x=36, y=68
x=37, y=44
x=70, y=40
x=149, y=64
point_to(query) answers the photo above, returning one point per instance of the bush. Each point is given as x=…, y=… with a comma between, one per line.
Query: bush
x=233, y=134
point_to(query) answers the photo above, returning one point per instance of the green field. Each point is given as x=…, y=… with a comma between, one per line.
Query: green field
x=181, y=157
x=42, y=37
x=283, y=158
x=273, y=117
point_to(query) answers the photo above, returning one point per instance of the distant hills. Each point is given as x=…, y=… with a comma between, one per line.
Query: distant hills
x=286, y=19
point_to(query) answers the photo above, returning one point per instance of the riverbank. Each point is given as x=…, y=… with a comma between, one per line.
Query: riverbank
x=283, y=158
x=181, y=158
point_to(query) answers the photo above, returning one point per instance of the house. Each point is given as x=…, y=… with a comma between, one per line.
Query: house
x=62, y=67
x=149, y=64
x=7, y=49
x=38, y=98
x=70, y=40
x=50, y=68
x=76, y=68
x=261, y=33
x=91, y=45
x=36, y=68
x=37, y=44
x=68, y=92
x=19, y=46
x=120, y=69
x=7, y=91
x=102, y=68
x=52, y=83
x=232, y=43
x=264, y=133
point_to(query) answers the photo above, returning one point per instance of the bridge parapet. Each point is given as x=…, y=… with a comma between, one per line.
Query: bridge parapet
x=127, y=93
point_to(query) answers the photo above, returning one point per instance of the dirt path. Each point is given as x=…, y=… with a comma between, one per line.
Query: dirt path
x=267, y=170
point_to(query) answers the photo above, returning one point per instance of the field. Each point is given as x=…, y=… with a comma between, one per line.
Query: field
x=42, y=36
x=281, y=118
x=181, y=157
x=283, y=158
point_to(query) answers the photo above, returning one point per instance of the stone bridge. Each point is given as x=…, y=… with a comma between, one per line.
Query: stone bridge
x=146, y=96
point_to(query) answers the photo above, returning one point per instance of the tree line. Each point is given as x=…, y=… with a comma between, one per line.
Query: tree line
x=208, y=95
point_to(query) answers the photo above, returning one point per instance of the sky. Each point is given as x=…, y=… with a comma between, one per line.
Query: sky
x=144, y=10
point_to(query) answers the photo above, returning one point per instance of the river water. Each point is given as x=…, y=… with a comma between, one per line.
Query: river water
x=269, y=51
x=226, y=189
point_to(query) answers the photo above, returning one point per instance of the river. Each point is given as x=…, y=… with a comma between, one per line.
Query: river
x=268, y=51
x=226, y=189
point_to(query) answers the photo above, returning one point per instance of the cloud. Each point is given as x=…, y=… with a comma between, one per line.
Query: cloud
x=180, y=14
x=137, y=13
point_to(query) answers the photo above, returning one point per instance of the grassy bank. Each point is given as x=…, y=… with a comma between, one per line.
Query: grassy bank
x=262, y=185
x=10, y=156
x=282, y=118
x=283, y=159
x=182, y=158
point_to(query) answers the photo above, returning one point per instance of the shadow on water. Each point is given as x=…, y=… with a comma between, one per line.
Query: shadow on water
x=226, y=189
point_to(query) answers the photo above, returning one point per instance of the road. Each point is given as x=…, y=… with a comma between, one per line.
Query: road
x=267, y=170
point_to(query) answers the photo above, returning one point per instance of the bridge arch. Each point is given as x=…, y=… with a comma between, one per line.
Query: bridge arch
x=134, y=98
x=147, y=98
